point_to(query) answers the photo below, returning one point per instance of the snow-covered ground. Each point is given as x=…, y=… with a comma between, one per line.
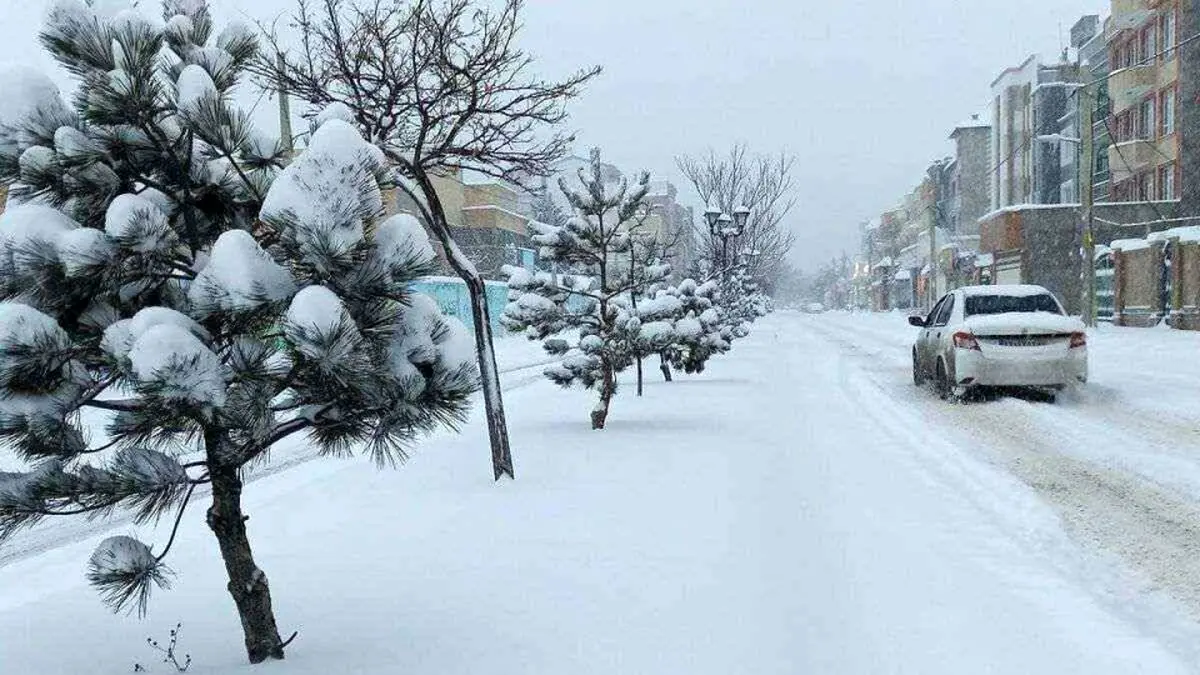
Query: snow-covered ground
x=799, y=508
x=519, y=360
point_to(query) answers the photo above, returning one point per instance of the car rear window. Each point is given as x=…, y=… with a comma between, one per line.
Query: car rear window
x=1003, y=304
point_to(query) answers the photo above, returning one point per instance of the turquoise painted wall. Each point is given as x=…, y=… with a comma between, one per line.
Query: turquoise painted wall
x=451, y=296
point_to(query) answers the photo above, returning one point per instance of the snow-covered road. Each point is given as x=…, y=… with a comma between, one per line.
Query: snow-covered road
x=1119, y=460
x=799, y=508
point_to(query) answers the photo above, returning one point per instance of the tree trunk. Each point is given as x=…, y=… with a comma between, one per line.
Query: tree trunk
x=247, y=583
x=639, y=376
x=607, y=389
x=489, y=374
x=665, y=367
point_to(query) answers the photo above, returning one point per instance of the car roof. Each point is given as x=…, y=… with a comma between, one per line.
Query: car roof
x=1010, y=290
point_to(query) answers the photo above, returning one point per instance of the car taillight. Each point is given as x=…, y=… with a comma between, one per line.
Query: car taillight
x=964, y=340
x=1078, y=340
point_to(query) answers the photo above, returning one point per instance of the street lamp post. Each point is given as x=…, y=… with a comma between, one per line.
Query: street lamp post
x=726, y=227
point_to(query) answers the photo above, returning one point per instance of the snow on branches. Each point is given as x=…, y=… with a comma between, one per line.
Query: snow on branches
x=124, y=569
x=163, y=263
x=701, y=330
x=594, y=300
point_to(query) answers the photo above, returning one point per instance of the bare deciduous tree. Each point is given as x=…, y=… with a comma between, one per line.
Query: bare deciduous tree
x=763, y=183
x=440, y=86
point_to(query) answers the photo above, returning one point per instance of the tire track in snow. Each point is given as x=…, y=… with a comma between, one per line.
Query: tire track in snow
x=1152, y=529
x=54, y=533
x=1166, y=429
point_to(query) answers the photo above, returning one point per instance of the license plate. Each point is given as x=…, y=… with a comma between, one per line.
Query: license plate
x=1025, y=342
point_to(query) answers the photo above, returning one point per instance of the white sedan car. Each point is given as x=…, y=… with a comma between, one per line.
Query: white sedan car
x=999, y=336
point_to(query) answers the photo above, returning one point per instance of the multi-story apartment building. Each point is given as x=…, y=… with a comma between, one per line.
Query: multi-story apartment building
x=494, y=227
x=969, y=198
x=671, y=223
x=1028, y=102
x=1188, y=124
x=1144, y=83
x=489, y=219
x=666, y=219
x=567, y=169
x=1012, y=138
x=1088, y=38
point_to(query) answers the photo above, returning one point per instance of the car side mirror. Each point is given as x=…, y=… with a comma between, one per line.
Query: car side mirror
x=916, y=321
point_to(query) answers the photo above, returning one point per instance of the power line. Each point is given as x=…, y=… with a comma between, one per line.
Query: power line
x=1117, y=147
x=1020, y=148
x=1143, y=62
x=1079, y=86
x=1185, y=219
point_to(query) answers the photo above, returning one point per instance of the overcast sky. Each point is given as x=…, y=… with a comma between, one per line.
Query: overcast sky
x=863, y=92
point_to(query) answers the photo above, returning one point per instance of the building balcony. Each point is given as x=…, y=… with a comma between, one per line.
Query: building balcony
x=1128, y=15
x=1168, y=73
x=1128, y=86
x=1134, y=157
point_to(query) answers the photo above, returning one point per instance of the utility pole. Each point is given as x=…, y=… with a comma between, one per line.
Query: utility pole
x=931, y=294
x=285, y=113
x=1087, y=151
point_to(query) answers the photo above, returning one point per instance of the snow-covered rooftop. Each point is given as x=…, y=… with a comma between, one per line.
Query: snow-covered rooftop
x=975, y=122
x=1016, y=208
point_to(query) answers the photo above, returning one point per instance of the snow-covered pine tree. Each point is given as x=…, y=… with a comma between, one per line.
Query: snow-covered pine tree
x=440, y=87
x=160, y=265
x=741, y=301
x=648, y=274
x=700, y=330
x=545, y=209
x=584, y=313
x=658, y=313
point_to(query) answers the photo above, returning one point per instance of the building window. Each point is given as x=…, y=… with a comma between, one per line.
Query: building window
x=1142, y=188
x=1145, y=123
x=1167, y=27
x=1146, y=44
x=1166, y=182
x=1067, y=193
x=1168, y=112
x=1101, y=169
x=1103, y=102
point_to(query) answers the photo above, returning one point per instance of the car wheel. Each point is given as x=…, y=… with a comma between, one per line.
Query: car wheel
x=918, y=375
x=946, y=389
x=941, y=381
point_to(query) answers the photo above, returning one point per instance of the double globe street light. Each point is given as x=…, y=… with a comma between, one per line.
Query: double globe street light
x=722, y=225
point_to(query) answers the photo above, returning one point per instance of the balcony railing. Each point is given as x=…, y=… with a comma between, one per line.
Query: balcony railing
x=1128, y=86
x=1128, y=15
x=1131, y=158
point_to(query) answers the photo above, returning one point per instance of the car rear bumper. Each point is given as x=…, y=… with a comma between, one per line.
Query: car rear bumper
x=972, y=368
